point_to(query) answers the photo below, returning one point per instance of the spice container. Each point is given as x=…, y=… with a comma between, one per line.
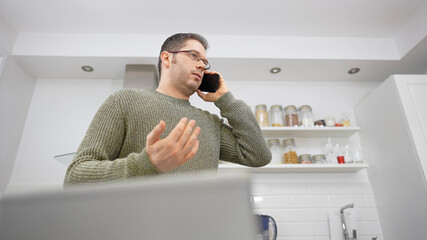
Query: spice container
x=291, y=116
x=319, y=123
x=305, y=116
x=289, y=151
x=346, y=120
x=304, y=158
x=261, y=115
x=276, y=151
x=276, y=116
x=330, y=122
x=319, y=158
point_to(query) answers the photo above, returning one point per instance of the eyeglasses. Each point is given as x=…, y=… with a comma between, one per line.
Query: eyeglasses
x=195, y=56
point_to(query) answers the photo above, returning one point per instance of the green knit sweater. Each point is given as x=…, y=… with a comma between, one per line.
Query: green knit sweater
x=114, y=145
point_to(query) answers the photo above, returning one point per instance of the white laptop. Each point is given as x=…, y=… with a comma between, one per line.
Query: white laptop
x=202, y=207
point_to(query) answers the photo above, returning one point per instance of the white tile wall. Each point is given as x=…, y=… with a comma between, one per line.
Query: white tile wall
x=300, y=202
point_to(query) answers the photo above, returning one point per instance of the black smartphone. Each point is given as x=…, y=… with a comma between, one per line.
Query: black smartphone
x=210, y=83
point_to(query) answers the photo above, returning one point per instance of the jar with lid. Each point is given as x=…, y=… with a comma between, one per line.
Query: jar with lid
x=330, y=122
x=305, y=116
x=291, y=116
x=276, y=116
x=304, y=158
x=261, y=115
x=346, y=119
x=276, y=151
x=318, y=158
x=289, y=151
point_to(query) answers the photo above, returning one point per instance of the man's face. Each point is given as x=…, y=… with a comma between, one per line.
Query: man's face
x=186, y=72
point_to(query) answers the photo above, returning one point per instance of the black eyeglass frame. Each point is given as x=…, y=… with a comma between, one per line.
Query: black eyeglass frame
x=205, y=61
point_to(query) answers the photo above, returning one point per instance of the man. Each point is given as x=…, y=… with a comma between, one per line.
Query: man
x=146, y=132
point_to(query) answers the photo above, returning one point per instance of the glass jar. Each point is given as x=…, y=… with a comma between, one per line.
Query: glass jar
x=276, y=151
x=291, y=116
x=319, y=123
x=289, y=151
x=330, y=122
x=276, y=116
x=346, y=119
x=261, y=115
x=304, y=158
x=318, y=158
x=305, y=116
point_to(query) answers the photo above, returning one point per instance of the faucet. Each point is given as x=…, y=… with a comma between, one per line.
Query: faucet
x=344, y=226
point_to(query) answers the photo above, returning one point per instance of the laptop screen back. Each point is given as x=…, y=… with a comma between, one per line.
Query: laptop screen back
x=191, y=207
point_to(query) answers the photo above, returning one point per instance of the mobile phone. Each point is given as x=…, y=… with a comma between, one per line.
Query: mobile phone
x=210, y=82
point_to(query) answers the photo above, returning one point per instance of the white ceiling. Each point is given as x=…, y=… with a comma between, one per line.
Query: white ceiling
x=331, y=18
x=288, y=18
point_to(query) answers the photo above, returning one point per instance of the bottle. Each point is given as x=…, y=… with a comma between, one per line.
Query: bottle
x=261, y=115
x=276, y=151
x=329, y=151
x=291, y=116
x=358, y=157
x=305, y=116
x=276, y=116
x=348, y=156
x=289, y=151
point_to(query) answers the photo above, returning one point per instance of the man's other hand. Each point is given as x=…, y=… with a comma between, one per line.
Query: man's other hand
x=174, y=150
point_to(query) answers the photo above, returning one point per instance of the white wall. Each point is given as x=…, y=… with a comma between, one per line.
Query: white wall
x=16, y=88
x=7, y=37
x=60, y=113
x=300, y=203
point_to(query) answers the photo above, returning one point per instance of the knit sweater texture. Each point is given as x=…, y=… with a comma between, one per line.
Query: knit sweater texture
x=114, y=145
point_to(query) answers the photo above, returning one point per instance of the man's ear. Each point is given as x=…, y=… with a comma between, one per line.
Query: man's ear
x=166, y=58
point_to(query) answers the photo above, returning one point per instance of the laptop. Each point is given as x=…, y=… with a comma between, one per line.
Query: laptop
x=202, y=206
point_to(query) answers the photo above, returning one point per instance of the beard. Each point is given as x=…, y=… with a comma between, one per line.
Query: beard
x=183, y=79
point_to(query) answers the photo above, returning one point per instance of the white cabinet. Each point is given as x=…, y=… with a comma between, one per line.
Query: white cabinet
x=302, y=132
x=394, y=122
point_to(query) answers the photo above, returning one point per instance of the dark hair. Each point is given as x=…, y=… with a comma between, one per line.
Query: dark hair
x=177, y=41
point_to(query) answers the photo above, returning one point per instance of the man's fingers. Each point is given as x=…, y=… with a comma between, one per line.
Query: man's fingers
x=186, y=133
x=192, y=152
x=191, y=141
x=176, y=133
x=201, y=94
x=154, y=135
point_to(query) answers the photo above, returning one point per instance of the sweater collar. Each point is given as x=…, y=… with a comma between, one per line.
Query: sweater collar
x=170, y=98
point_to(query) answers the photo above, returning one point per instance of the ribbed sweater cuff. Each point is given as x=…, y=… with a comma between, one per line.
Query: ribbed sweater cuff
x=144, y=165
x=225, y=100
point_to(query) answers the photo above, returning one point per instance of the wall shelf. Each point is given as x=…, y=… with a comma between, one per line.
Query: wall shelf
x=308, y=132
x=298, y=168
x=270, y=168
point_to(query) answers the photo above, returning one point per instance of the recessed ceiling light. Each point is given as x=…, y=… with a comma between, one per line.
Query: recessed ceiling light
x=87, y=68
x=353, y=70
x=275, y=70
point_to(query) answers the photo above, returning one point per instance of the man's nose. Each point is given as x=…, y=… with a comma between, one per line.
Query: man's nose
x=201, y=64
